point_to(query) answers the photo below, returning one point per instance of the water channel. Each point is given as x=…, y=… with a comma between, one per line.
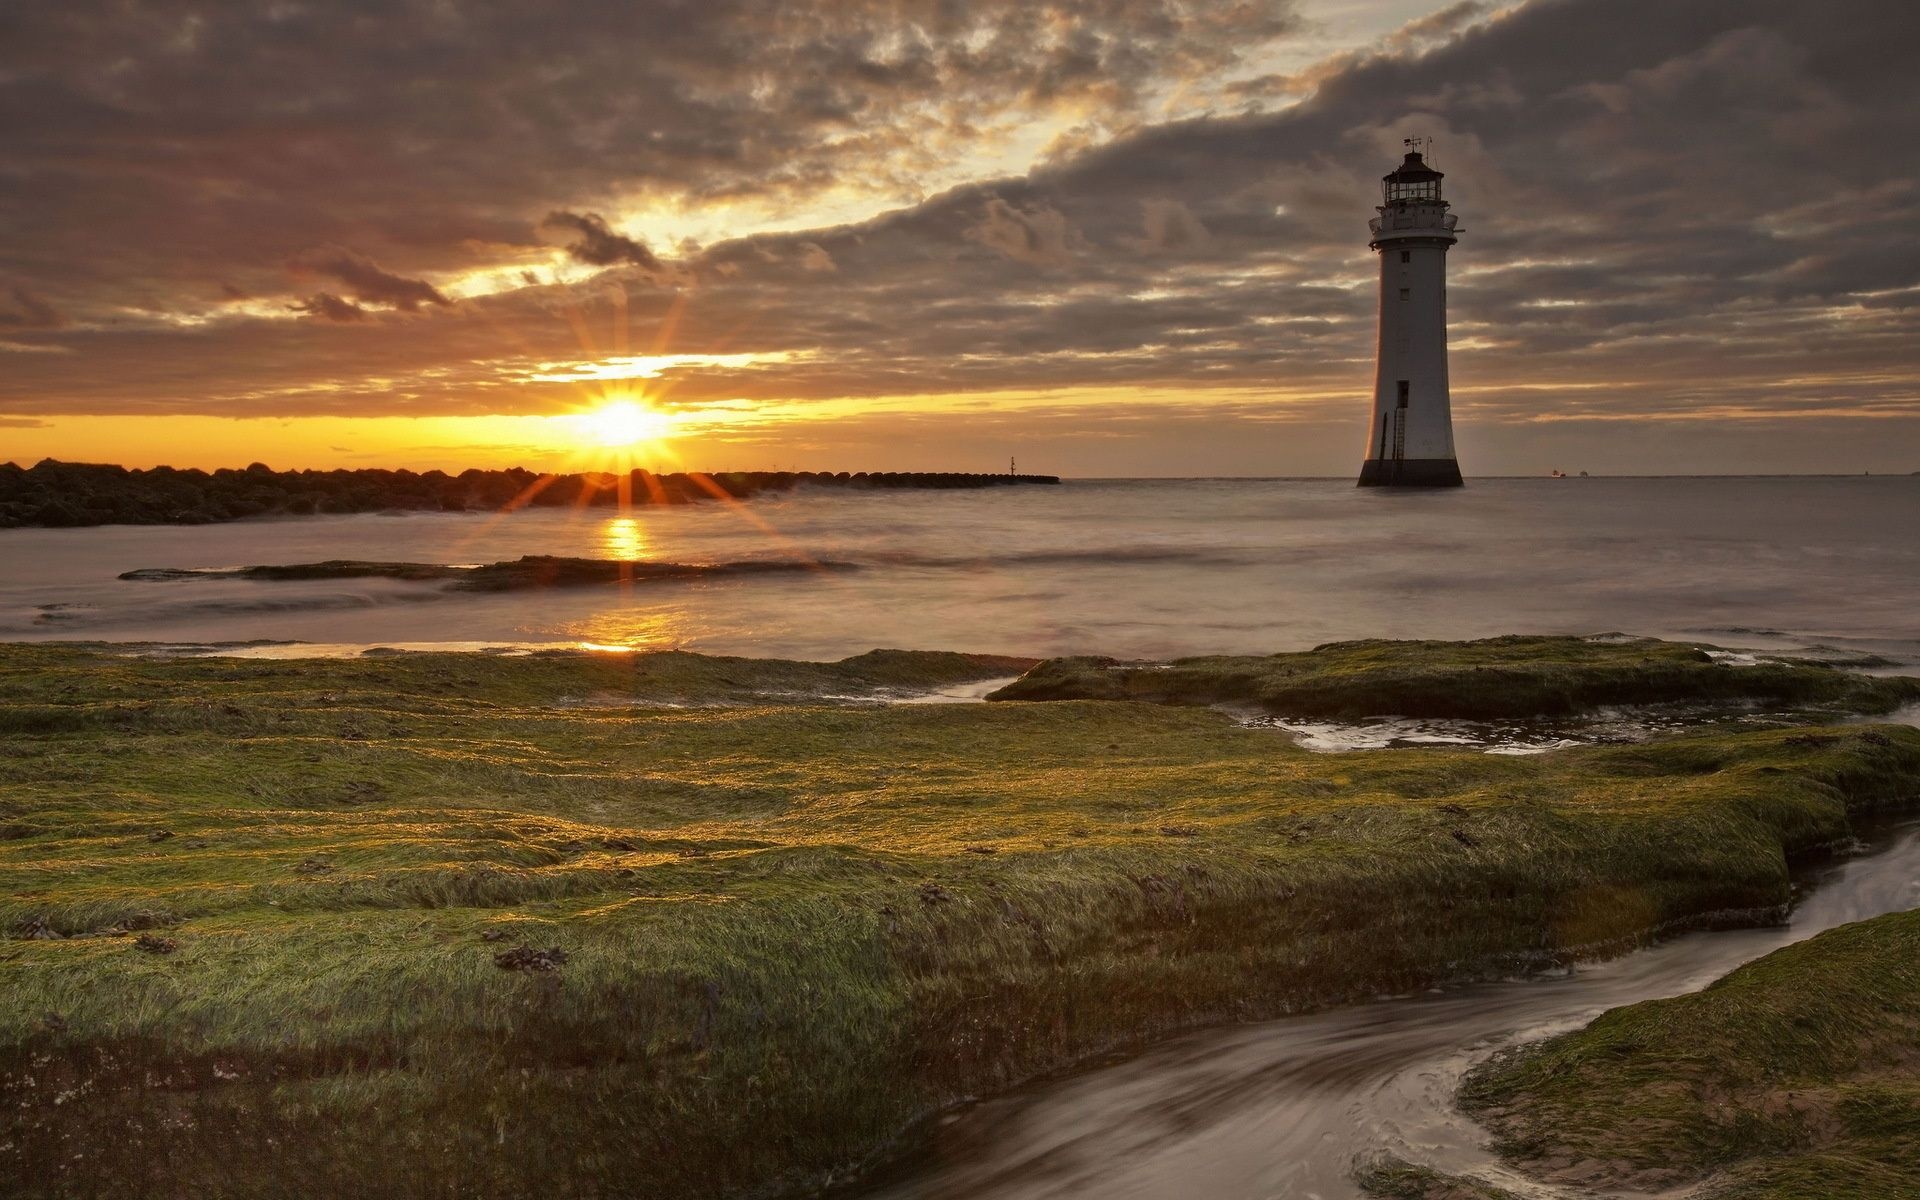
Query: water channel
x=1283, y=1109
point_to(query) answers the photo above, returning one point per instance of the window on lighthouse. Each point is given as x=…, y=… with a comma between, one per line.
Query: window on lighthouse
x=1406, y=293
x=1406, y=256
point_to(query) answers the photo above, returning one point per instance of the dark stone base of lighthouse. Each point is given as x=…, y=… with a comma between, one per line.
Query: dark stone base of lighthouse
x=1410, y=472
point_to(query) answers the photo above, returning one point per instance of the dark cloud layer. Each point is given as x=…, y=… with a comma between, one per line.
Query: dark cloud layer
x=596, y=244
x=1671, y=210
x=329, y=307
x=366, y=282
x=224, y=135
x=22, y=309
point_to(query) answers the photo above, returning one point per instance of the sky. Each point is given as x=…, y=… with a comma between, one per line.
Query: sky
x=1109, y=237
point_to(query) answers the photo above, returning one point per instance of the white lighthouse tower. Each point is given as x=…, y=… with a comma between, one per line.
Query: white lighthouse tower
x=1411, y=443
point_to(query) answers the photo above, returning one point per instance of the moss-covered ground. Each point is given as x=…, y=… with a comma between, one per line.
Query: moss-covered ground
x=665, y=925
x=1515, y=676
x=1796, y=1077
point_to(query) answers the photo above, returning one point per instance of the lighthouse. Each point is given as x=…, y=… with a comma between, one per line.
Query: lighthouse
x=1411, y=442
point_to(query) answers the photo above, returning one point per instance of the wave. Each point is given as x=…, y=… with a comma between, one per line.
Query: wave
x=207, y=593
x=76, y=617
x=1064, y=557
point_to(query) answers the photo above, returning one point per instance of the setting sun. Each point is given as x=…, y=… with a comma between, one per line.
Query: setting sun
x=625, y=422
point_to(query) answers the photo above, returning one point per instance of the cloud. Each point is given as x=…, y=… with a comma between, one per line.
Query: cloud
x=330, y=307
x=366, y=282
x=599, y=246
x=1436, y=26
x=1039, y=235
x=814, y=258
x=1169, y=225
x=216, y=141
x=22, y=309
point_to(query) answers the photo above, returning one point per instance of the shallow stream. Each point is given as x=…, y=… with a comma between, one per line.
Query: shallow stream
x=1606, y=726
x=1285, y=1108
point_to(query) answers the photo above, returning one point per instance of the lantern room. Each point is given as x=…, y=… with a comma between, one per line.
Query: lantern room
x=1413, y=182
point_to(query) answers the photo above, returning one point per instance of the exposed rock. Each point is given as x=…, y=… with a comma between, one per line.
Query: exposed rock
x=526, y=958
x=531, y=571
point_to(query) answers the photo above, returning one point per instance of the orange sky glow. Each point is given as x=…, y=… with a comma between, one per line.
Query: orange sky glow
x=1154, y=265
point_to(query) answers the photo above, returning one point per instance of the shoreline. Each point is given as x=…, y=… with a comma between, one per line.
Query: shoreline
x=737, y=915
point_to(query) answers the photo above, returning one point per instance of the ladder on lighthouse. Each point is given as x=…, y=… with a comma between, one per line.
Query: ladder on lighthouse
x=1399, y=433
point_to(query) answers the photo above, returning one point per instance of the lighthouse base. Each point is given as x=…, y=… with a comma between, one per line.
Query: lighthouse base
x=1410, y=472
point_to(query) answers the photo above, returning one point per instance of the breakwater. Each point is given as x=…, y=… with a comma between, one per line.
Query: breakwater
x=63, y=494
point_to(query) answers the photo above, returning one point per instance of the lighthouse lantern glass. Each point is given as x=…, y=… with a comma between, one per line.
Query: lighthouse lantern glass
x=1425, y=189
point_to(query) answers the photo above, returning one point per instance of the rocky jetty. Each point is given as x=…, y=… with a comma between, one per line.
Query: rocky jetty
x=63, y=494
x=530, y=571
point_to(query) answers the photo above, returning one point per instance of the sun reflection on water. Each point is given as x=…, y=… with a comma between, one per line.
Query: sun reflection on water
x=624, y=538
x=624, y=630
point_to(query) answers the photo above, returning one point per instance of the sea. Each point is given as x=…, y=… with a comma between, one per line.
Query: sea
x=1127, y=568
